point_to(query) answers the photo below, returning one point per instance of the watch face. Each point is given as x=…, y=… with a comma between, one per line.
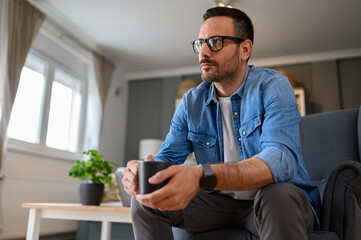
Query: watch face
x=208, y=183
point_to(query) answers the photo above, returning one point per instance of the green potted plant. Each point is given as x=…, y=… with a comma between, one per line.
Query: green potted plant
x=95, y=172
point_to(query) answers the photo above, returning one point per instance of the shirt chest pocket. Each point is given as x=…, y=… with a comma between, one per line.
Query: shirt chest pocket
x=250, y=132
x=204, y=147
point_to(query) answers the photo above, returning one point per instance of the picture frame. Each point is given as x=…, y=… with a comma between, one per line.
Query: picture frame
x=300, y=98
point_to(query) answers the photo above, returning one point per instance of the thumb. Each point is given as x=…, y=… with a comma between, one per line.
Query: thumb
x=149, y=158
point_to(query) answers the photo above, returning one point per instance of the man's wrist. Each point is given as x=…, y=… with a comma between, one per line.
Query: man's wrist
x=199, y=174
x=208, y=180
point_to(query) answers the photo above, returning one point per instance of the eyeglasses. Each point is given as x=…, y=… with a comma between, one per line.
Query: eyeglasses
x=214, y=43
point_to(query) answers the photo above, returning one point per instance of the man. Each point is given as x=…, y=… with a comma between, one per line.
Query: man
x=242, y=125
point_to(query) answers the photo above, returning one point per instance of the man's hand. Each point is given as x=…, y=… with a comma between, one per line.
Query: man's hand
x=178, y=192
x=130, y=176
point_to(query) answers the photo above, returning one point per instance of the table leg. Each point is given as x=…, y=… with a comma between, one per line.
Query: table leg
x=106, y=230
x=33, y=224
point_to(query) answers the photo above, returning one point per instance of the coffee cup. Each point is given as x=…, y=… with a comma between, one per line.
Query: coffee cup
x=147, y=170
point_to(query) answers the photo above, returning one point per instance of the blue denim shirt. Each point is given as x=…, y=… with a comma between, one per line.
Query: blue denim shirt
x=266, y=121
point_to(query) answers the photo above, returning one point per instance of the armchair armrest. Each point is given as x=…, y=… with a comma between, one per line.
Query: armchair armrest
x=341, y=212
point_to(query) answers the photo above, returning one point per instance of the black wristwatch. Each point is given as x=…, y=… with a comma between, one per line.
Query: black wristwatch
x=209, y=180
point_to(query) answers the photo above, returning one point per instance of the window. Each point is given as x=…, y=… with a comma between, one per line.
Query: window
x=25, y=120
x=48, y=108
x=64, y=115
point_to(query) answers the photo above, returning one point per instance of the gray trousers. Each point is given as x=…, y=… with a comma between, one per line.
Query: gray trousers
x=279, y=211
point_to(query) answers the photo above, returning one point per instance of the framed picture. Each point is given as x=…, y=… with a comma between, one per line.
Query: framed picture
x=300, y=98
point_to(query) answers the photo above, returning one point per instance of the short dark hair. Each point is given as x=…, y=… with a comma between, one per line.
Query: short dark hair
x=243, y=26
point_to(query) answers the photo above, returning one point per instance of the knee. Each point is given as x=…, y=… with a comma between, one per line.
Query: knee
x=280, y=196
x=135, y=207
x=282, y=208
x=138, y=210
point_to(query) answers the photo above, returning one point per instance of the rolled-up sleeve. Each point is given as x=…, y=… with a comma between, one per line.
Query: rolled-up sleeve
x=281, y=148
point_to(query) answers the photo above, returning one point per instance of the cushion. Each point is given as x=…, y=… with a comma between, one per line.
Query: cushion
x=328, y=139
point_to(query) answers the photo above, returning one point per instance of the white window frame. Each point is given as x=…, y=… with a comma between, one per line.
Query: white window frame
x=41, y=148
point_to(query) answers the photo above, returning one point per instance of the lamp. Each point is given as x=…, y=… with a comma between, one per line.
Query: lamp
x=222, y=3
x=149, y=147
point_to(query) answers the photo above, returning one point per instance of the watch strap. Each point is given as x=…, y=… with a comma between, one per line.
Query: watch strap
x=209, y=180
x=207, y=169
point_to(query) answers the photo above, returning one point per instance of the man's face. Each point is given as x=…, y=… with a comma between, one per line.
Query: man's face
x=219, y=65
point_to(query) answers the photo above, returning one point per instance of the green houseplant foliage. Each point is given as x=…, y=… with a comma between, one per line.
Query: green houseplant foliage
x=96, y=169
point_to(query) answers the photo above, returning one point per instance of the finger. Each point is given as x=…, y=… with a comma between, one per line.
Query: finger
x=133, y=166
x=168, y=203
x=132, y=192
x=161, y=205
x=131, y=162
x=127, y=174
x=162, y=202
x=149, y=158
x=163, y=175
x=174, y=202
x=153, y=199
x=131, y=189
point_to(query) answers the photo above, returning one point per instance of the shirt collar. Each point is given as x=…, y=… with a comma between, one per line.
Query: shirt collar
x=212, y=95
x=239, y=92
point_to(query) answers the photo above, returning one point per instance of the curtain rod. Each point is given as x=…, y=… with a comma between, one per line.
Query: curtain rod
x=67, y=34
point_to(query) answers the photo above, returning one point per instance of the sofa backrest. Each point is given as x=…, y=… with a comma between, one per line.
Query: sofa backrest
x=328, y=139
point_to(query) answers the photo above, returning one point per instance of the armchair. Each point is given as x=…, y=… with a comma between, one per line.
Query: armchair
x=331, y=147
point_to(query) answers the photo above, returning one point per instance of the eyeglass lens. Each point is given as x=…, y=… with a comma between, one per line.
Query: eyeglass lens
x=214, y=43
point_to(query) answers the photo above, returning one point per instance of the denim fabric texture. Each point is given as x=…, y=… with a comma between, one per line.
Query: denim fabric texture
x=266, y=121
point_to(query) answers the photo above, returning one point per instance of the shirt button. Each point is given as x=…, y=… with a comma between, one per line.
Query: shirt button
x=239, y=139
x=207, y=143
x=235, y=113
x=244, y=133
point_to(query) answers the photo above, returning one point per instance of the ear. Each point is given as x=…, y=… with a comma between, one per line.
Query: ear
x=246, y=49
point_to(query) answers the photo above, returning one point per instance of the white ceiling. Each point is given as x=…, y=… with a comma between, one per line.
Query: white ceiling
x=153, y=35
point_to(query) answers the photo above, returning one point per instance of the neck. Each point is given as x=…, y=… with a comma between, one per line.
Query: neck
x=227, y=87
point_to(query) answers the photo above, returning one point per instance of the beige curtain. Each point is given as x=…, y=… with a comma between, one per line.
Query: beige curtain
x=103, y=74
x=3, y=69
x=24, y=21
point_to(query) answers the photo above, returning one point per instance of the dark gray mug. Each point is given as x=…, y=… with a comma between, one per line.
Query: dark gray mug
x=147, y=170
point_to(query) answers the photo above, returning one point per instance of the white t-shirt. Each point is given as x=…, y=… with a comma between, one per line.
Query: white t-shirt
x=231, y=153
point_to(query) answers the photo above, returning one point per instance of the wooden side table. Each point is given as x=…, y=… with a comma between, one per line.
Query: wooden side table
x=71, y=211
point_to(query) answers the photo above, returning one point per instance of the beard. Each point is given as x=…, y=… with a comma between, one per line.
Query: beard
x=220, y=73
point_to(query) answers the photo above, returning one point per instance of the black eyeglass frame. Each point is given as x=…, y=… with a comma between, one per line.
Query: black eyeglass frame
x=236, y=39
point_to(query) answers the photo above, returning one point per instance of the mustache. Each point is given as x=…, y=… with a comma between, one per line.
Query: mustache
x=206, y=60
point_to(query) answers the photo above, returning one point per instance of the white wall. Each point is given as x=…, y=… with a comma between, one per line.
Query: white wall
x=112, y=140
x=29, y=178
